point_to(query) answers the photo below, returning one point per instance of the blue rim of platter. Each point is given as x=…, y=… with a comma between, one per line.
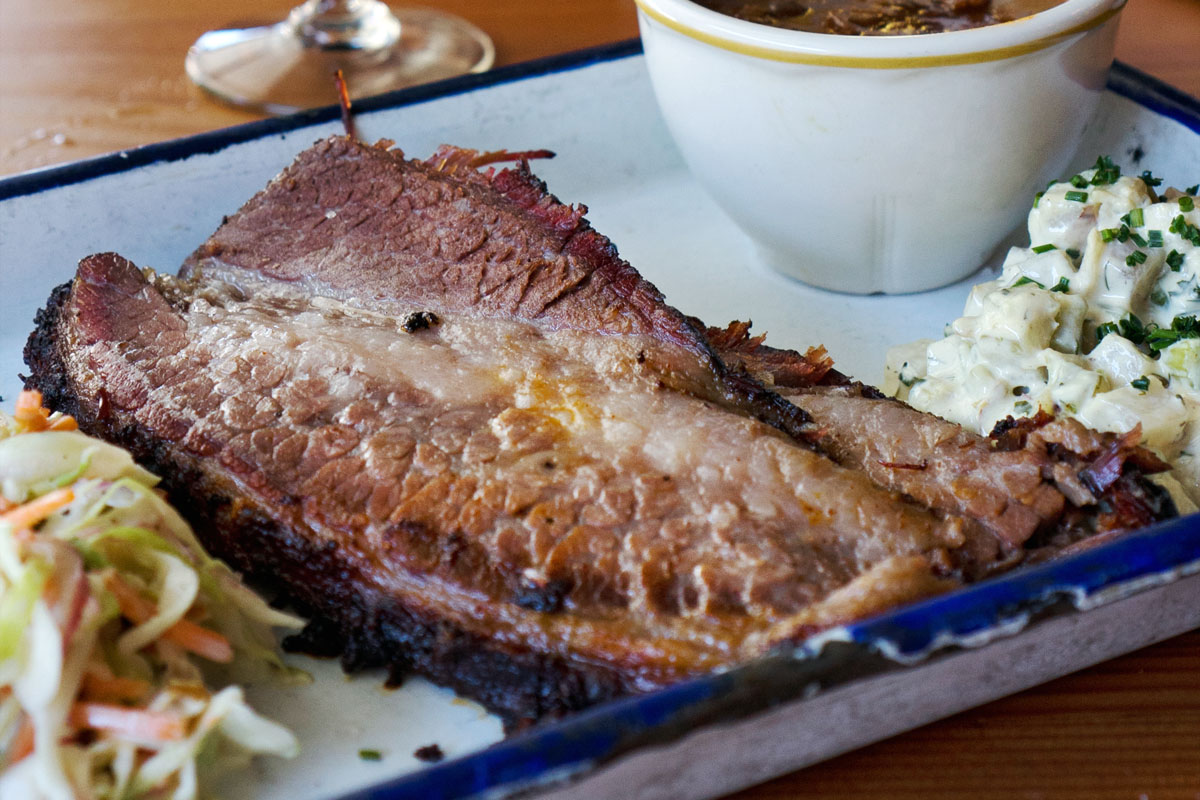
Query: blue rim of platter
x=558, y=752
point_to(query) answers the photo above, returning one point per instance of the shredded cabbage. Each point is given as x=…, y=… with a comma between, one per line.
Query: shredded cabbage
x=109, y=608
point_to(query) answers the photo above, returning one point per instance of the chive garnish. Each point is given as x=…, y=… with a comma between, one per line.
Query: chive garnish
x=1150, y=180
x=1025, y=279
x=1044, y=248
x=1120, y=234
x=1136, y=218
x=1158, y=297
x=1155, y=238
x=1193, y=190
x=1133, y=329
x=1130, y=327
x=1078, y=197
x=1175, y=260
x=1037, y=198
x=1063, y=285
x=370, y=755
x=1137, y=239
x=1182, y=327
x=1186, y=203
x=1142, y=383
x=1135, y=258
x=1106, y=171
x=1185, y=229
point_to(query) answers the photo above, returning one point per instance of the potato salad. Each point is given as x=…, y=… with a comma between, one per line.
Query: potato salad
x=1098, y=319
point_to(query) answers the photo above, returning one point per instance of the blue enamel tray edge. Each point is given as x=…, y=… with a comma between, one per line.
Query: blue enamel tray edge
x=592, y=738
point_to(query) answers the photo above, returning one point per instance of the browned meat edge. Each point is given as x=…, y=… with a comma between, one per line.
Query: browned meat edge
x=521, y=687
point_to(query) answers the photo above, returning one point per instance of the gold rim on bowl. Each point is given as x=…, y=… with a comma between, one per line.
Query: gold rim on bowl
x=877, y=62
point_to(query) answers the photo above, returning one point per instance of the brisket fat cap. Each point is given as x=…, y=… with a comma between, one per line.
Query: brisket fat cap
x=444, y=413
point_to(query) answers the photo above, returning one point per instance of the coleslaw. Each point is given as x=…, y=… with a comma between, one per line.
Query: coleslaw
x=108, y=608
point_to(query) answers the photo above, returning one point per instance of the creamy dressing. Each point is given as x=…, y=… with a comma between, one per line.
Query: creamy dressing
x=1096, y=319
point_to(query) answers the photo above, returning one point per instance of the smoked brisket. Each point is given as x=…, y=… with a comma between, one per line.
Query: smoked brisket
x=435, y=408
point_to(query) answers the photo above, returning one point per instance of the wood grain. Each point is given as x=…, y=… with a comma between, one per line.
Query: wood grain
x=79, y=79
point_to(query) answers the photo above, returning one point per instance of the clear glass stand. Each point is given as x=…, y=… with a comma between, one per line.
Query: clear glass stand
x=290, y=66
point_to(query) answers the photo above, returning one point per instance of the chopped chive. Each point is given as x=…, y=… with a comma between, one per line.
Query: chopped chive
x=1193, y=190
x=1079, y=182
x=1044, y=248
x=1185, y=229
x=370, y=755
x=1133, y=329
x=1025, y=279
x=1135, y=258
x=1150, y=180
x=1106, y=171
x=1108, y=234
x=1078, y=197
x=1155, y=238
x=1063, y=285
x=1121, y=234
x=1129, y=327
x=1158, y=297
x=1142, y=383
x=1175, y=260
x=1037, y=198
x=1186, y=203
x=1137, y=239
x=1136, y=218
x=1182, y=327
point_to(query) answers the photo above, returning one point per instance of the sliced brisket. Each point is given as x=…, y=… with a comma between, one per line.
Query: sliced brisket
x=435, y=407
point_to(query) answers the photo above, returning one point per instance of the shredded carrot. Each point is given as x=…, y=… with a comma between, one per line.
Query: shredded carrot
x=64, y=422
x=134, y=723
x=32, y=416
x=29, y=412
x=22, y=741
x=36, y=510
x=185, y=633
x=109, y=689
x=201, y=641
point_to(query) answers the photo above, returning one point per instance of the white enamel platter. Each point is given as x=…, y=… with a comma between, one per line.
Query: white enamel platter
x=154, y=205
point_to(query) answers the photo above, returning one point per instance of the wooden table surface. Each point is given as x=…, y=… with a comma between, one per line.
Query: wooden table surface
x=82, y=78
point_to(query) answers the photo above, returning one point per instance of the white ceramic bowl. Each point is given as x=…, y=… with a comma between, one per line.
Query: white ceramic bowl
x=877, y=163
